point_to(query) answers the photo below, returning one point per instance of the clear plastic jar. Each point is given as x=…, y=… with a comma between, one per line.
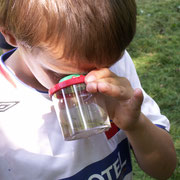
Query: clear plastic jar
x=80, y=113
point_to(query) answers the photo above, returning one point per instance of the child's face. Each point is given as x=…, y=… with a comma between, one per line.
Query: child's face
x=48, y=70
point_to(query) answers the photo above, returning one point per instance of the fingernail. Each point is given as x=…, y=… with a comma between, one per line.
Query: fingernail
x=90, y=78
x=91, y=87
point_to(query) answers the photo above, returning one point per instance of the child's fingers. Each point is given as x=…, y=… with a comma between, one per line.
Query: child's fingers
x=106, y=82
x=93, y=78
x=98, y=74
x=92, y=87
x=119, y=92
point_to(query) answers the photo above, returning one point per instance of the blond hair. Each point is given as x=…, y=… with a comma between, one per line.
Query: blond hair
x=97, y=31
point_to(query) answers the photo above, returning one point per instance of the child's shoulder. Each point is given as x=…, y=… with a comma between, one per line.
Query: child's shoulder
x=124, y=66
x=8, y=95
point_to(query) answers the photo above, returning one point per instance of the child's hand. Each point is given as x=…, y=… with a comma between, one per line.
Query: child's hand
x=151, y=144
x=123, y=103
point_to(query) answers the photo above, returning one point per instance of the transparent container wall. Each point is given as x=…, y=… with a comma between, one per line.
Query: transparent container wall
x=80, y=113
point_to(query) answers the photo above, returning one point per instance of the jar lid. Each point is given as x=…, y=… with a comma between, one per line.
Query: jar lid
x=67, y=81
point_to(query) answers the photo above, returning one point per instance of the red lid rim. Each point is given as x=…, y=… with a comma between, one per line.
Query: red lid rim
x=64, y=84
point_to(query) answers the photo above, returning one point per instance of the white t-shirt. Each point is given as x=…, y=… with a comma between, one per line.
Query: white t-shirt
x=32, y=146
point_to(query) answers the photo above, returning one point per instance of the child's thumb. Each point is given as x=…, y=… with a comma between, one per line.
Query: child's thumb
x=137, y=99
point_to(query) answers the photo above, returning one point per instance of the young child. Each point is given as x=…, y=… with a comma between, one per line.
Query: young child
x=55, y=38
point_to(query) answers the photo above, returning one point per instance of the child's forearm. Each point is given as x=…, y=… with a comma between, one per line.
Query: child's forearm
x=153, y=148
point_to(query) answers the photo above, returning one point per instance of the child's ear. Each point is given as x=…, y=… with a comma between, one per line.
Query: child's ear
x=10, y=39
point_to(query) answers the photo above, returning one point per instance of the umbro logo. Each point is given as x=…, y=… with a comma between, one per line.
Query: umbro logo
x=4, y=106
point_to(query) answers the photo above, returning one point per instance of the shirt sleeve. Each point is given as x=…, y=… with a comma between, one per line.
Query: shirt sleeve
x=126, y=68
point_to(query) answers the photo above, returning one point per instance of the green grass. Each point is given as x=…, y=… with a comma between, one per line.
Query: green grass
x=156, y=53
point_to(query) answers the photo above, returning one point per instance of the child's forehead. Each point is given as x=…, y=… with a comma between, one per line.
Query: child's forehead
x=57, y=63
x=74, y=65
x=56, y=58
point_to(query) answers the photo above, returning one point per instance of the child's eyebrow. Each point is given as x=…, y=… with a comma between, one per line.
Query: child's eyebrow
x=60, y=75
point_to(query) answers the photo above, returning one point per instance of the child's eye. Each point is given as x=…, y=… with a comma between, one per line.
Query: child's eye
x=60, y=76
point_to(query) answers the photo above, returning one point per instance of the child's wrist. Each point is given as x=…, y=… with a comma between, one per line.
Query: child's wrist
x=138, y=125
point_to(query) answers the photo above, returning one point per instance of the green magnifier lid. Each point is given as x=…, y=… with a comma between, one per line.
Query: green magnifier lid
x=69, y=77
